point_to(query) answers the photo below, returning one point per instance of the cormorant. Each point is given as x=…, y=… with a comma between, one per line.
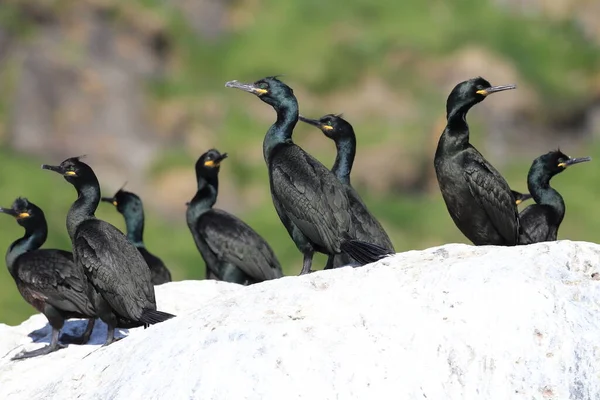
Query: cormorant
x=130, y=205
x=231, y=249
x=48, y=279
x=124, y=294
x=477, y=197
x=520, y=197
x=540, y=221
x=365, y=226
x=310, y=201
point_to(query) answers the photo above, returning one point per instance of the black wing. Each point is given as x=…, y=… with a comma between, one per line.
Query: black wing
x=536, y=224
x=52, y=276
x=115, y=267
x=311, y=196
x=233, y=241
x=158, y=270
x=365, y=225
x=494, y=195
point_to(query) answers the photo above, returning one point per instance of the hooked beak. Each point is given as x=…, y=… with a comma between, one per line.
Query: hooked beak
x=246, y=87
x=315, y=122
x=216, y=162
x=309, y=121
x=495, y=89
x=109, y=200
x=572, y=161
x=54, y=168
x=9, y=211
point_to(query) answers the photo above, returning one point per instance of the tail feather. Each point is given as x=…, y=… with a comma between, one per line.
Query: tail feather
x=364, y=252
x=151, y=317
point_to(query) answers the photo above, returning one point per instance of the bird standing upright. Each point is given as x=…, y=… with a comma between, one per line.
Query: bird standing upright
x=124, y=294
x=232, y=250
x=365, y=226
x=48, y=279
x=540, y=221
x=477, y=197
x=310, y=201
x=131, y=207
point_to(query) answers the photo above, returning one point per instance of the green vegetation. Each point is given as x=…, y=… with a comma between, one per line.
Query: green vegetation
x=325, y=48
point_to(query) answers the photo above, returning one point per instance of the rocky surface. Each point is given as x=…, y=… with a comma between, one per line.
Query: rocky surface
x=451, y=322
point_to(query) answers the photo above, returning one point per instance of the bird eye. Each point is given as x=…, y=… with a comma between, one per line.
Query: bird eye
x=329, y=123
x=263, y=85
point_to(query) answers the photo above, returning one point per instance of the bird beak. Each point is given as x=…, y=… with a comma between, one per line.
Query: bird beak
x=246, y=87
x=110, y=200
x=9, y=211
x=524, y=197
x=56, y=168
x=218, y=160
x=315, y=122
x=495, y=89
x=572, y=161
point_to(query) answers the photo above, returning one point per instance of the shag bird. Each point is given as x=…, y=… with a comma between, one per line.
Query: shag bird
x=124, y=294
x=48, y=279
x=231, y=249
x=310, y=201
x=477, y=197
x=540, y=221
x=365, y=226
x=130, y=205
x=520, y=197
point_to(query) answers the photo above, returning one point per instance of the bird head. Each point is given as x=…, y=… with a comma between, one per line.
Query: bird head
x=125, y=202
x=75, y=171
x=556, y=162
x=470, y=92
x=24, y=212
x=332, y=125
x=270, y=90
x=208, y=164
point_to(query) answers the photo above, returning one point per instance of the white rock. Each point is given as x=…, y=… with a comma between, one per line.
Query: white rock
x=452, y=322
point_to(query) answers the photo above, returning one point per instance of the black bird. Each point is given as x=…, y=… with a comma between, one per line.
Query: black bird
x=124, y=294
x=232, y=251
x=130, y=205
x=48, y=279
x=540, y=221
x=310, y=201
x=477, y=197
x=365, y=226
x=520, y=197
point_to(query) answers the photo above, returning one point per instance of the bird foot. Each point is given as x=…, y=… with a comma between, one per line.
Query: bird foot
x=71, y=339
x=111, y=341
x=39, y=352
x=310, y=271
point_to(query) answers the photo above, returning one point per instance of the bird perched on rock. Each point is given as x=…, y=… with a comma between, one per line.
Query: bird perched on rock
x=540, y=221
x=124, y=294
x=310, y=201
x=365, y=226
x=231, y=249
x=48, y=279
x=131, y=207
x=478, y=198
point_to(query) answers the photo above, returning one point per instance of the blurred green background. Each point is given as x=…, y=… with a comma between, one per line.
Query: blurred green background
x=138, y=86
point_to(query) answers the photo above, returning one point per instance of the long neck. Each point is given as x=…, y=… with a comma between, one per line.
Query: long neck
x=346, y=150
x=538, y=183
x=281, y=131
x=84, y=207
x=205, y=198
x=134, y=221
x=32, y=240
x=456, y=134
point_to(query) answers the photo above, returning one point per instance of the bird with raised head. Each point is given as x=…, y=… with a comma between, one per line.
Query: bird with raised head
x=477, y=197
x=131, y=207
x=124, y=294
x=48, y=279
x=231, y=249
x=365, y=226
x=540, y=221
x=310, y=201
